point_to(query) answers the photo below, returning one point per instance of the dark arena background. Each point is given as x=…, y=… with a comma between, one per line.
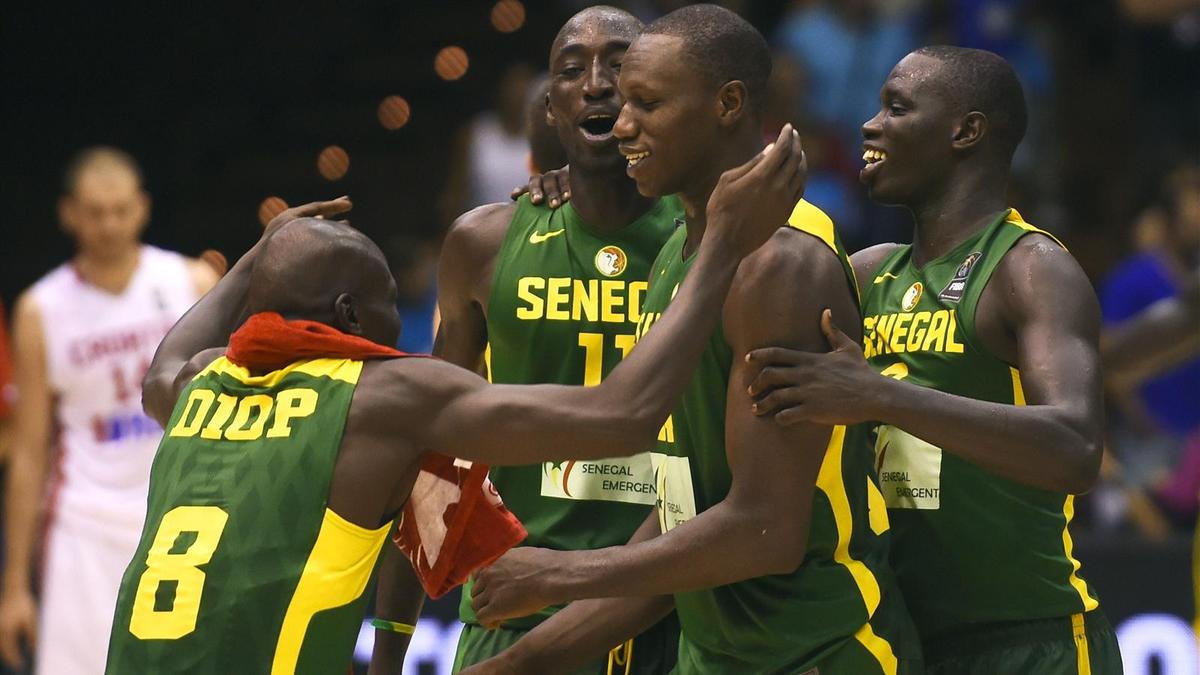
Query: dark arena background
x=235, y=109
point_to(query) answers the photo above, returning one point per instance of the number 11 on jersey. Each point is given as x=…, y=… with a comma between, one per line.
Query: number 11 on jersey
x=593, y=354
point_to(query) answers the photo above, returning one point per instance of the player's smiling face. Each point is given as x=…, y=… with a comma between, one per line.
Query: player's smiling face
x=583, y=97
x=907, y=148
x=668, y=121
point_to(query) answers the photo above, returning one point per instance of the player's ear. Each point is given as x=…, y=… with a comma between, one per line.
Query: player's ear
x=549, y=111
x=346, y=314
x=970, y=130
x=66, y=214
x=731, y=102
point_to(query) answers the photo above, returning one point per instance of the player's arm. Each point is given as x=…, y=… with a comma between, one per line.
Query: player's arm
x=761, y=527
x=1053, y=442
x=26, y=480
x=464, y=273
x=464, y=277
x=208, y=324
x=1159, y=337
x=584, y=630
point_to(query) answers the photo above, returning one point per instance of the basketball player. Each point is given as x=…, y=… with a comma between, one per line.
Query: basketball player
x=83, y=337
x=981, y=364
x=772, y=541
x=556, y=295
x=275, y=487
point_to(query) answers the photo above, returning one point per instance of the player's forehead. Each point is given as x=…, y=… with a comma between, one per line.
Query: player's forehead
x=915, y=75
x=597, y=31
x=655, y=60
x=106, y=180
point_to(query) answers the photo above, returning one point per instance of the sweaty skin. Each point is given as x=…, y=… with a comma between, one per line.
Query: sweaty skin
x=403, y=408
x=1038, y=311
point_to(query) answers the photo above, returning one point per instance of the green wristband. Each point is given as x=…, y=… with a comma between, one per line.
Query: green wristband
x=394, y=626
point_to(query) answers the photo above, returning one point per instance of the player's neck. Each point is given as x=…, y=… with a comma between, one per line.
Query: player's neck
x=607, y=201
x=695, y=196
x=953, y=215
x=110, y=272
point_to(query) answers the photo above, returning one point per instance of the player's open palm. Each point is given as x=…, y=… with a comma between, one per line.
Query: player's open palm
x=18, y=626
x=754, y=200
x=518, y=584
x=831, y=388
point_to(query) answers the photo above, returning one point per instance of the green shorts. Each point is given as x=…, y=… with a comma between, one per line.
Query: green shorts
x=1081, y=644
x=651, y=653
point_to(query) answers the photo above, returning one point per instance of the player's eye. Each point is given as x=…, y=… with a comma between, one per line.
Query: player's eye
x=896, y=109
x=570, y=71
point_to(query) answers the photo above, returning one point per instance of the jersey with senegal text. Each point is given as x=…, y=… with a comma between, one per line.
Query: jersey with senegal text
x=242, y=567
x=968, y=545
x=844, y=590
x=98, y=346
x=564, y=306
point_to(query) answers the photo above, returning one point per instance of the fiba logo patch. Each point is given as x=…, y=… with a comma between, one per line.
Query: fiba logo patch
x=611, y=261
x=912, y=296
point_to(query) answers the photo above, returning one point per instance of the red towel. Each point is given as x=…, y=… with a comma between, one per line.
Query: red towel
x=454, y=521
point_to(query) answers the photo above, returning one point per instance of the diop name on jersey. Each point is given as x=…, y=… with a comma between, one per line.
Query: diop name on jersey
x=243, y=418
x=911, y=332
x=567, y=299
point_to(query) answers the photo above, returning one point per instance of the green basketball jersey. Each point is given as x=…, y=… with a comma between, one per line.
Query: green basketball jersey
x=242, y=568
x=564, y=306
x=969, y=545
x=843, y=591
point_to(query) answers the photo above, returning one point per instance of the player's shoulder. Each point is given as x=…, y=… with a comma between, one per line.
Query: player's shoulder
x=477, y=234
x=792, y=261
x=867, y=261
x=1037, y=274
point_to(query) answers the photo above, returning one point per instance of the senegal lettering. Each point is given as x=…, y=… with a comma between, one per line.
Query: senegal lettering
x=911, y=332
x=566, y=299
x=249, y=414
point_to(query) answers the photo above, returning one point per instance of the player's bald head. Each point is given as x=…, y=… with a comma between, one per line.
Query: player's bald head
x=978, y=80
x=610, y=21
x=306, y=265
x=721, y=45
x=100, y=159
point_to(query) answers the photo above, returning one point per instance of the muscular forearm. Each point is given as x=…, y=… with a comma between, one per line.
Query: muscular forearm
x=1043, y=446
x=722, y=545
x=583, y=631
x=643, y=389
x=399, y=599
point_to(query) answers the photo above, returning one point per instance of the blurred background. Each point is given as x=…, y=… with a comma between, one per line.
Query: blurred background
x=419, y=111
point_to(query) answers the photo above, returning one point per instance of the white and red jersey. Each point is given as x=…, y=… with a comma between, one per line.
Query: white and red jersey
x=98, y=348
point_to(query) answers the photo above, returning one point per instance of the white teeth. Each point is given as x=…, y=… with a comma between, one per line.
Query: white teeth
x=870, y=156
x=600, y=117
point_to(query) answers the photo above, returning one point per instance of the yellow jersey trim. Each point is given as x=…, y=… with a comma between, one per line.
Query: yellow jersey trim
x=808, y=218
x=1015, y=218
x=1083, y=662
x=336, y=574
x=1080, y=586
x=829, y=481
x=346, y=370
x=1076, y=582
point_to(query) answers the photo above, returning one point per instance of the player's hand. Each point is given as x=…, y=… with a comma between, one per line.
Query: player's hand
x=327, y=209
x=18, y=627
x=754, y=200
x=831, y=388
x=520, y=583
x=552, y=187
